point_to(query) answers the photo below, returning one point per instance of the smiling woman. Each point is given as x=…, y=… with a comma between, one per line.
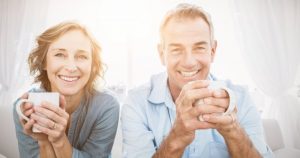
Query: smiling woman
x=67, y=60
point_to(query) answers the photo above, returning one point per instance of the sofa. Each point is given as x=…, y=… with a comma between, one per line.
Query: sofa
x=274, y=139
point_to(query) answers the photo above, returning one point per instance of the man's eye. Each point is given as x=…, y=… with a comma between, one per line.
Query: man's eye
x=175, y=51
x=200, y=50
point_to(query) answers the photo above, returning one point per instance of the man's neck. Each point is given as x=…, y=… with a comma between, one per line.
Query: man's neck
x=174, y=90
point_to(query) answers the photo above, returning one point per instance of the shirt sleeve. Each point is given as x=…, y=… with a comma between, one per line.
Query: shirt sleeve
x=252, y=123
x=28, y=147
x=101, y=138
x=138, y=140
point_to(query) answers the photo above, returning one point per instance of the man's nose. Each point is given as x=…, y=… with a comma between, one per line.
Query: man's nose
x=189, y=60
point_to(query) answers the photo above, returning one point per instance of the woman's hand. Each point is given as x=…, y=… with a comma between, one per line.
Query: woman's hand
x=27, y=109
x=53, y=122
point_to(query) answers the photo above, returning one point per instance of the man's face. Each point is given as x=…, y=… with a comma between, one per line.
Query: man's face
x=187, y=51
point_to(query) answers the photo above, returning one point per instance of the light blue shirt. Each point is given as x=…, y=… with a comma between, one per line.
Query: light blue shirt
x=149, y=113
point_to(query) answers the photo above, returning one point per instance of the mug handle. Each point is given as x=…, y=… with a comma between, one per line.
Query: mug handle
x=18, y=108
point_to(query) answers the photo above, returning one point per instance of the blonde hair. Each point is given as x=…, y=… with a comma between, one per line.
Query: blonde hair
x=185, y=11
x=37, y=57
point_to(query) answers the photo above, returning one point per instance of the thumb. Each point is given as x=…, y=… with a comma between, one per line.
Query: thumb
x=62, y=102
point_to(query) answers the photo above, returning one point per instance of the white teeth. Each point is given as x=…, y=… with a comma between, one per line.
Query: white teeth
x=69, y=79
x=188, y=73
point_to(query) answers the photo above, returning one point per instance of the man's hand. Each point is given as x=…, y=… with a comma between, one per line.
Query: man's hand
x=186, y=122
x=225, y=124
x=237, y=141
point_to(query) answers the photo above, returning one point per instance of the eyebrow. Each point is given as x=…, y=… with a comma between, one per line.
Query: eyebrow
x=198, y=43
x=201, y=43
x=58, y=49
x=174, y=45
x=64, y=50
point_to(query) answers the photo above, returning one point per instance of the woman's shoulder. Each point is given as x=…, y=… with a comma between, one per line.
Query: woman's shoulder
x=104, y=100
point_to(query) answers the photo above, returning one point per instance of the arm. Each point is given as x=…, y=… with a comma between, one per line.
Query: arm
x=46, y=150
x=251, y=125
x=243, y=137
x=239, y=144
x=138, y=140
x=169, y=148
x=250, y=131
x=28, y=147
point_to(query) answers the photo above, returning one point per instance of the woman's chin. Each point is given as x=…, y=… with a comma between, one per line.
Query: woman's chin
x=69, y=92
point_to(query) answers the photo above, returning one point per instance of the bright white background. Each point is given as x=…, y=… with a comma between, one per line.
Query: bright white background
x=128, y=33
x=127, y=30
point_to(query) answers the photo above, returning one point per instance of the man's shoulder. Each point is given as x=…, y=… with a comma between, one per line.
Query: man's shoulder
x=145, y=89
x=142, y=91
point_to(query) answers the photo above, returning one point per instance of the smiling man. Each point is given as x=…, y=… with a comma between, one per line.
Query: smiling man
x=161, y=118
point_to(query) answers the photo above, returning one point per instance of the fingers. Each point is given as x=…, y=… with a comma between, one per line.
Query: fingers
x=191, y=92
x=197, y=84
x=223, y=123
x=220, y=93
x=27, y=127
x=46, y=113
x=221, y=102
x=220, y=119
x=50, y=110
x=205, y=109
x=47, y=131
x=62, y=102
x=25, y=95
x=27, y=109
x=45, y=122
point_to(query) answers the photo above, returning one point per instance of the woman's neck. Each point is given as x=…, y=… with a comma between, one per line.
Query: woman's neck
x=73, y=102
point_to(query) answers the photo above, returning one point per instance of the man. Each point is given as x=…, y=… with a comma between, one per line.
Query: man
x=161, y=118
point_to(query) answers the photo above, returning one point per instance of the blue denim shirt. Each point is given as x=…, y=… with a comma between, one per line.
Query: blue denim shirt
x=149, y=113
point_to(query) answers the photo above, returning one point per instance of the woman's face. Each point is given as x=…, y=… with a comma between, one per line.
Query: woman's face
x=69, y=62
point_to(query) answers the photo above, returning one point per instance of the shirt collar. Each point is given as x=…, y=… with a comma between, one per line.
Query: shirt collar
x=159, y=88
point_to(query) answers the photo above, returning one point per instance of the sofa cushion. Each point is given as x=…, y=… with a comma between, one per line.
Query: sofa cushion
x=287, y=153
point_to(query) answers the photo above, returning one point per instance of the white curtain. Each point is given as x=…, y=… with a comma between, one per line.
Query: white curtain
x=269, y=35
x=20, y=21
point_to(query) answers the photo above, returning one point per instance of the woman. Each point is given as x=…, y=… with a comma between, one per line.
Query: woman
x=67, y=60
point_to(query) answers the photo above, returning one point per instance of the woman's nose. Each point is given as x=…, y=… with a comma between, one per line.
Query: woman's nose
x=71, y=66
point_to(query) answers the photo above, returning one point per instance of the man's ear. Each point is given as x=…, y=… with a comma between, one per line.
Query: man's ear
x=213, y=50
x=160, y=50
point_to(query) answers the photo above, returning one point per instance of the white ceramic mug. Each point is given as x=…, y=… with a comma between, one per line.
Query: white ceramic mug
x=35, y=99
x=215, y=85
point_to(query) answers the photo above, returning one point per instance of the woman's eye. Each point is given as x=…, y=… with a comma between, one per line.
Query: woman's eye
x=59, y=55
x=82, y=57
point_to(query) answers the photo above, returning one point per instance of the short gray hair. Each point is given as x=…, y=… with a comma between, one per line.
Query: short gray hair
x=187, y=11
